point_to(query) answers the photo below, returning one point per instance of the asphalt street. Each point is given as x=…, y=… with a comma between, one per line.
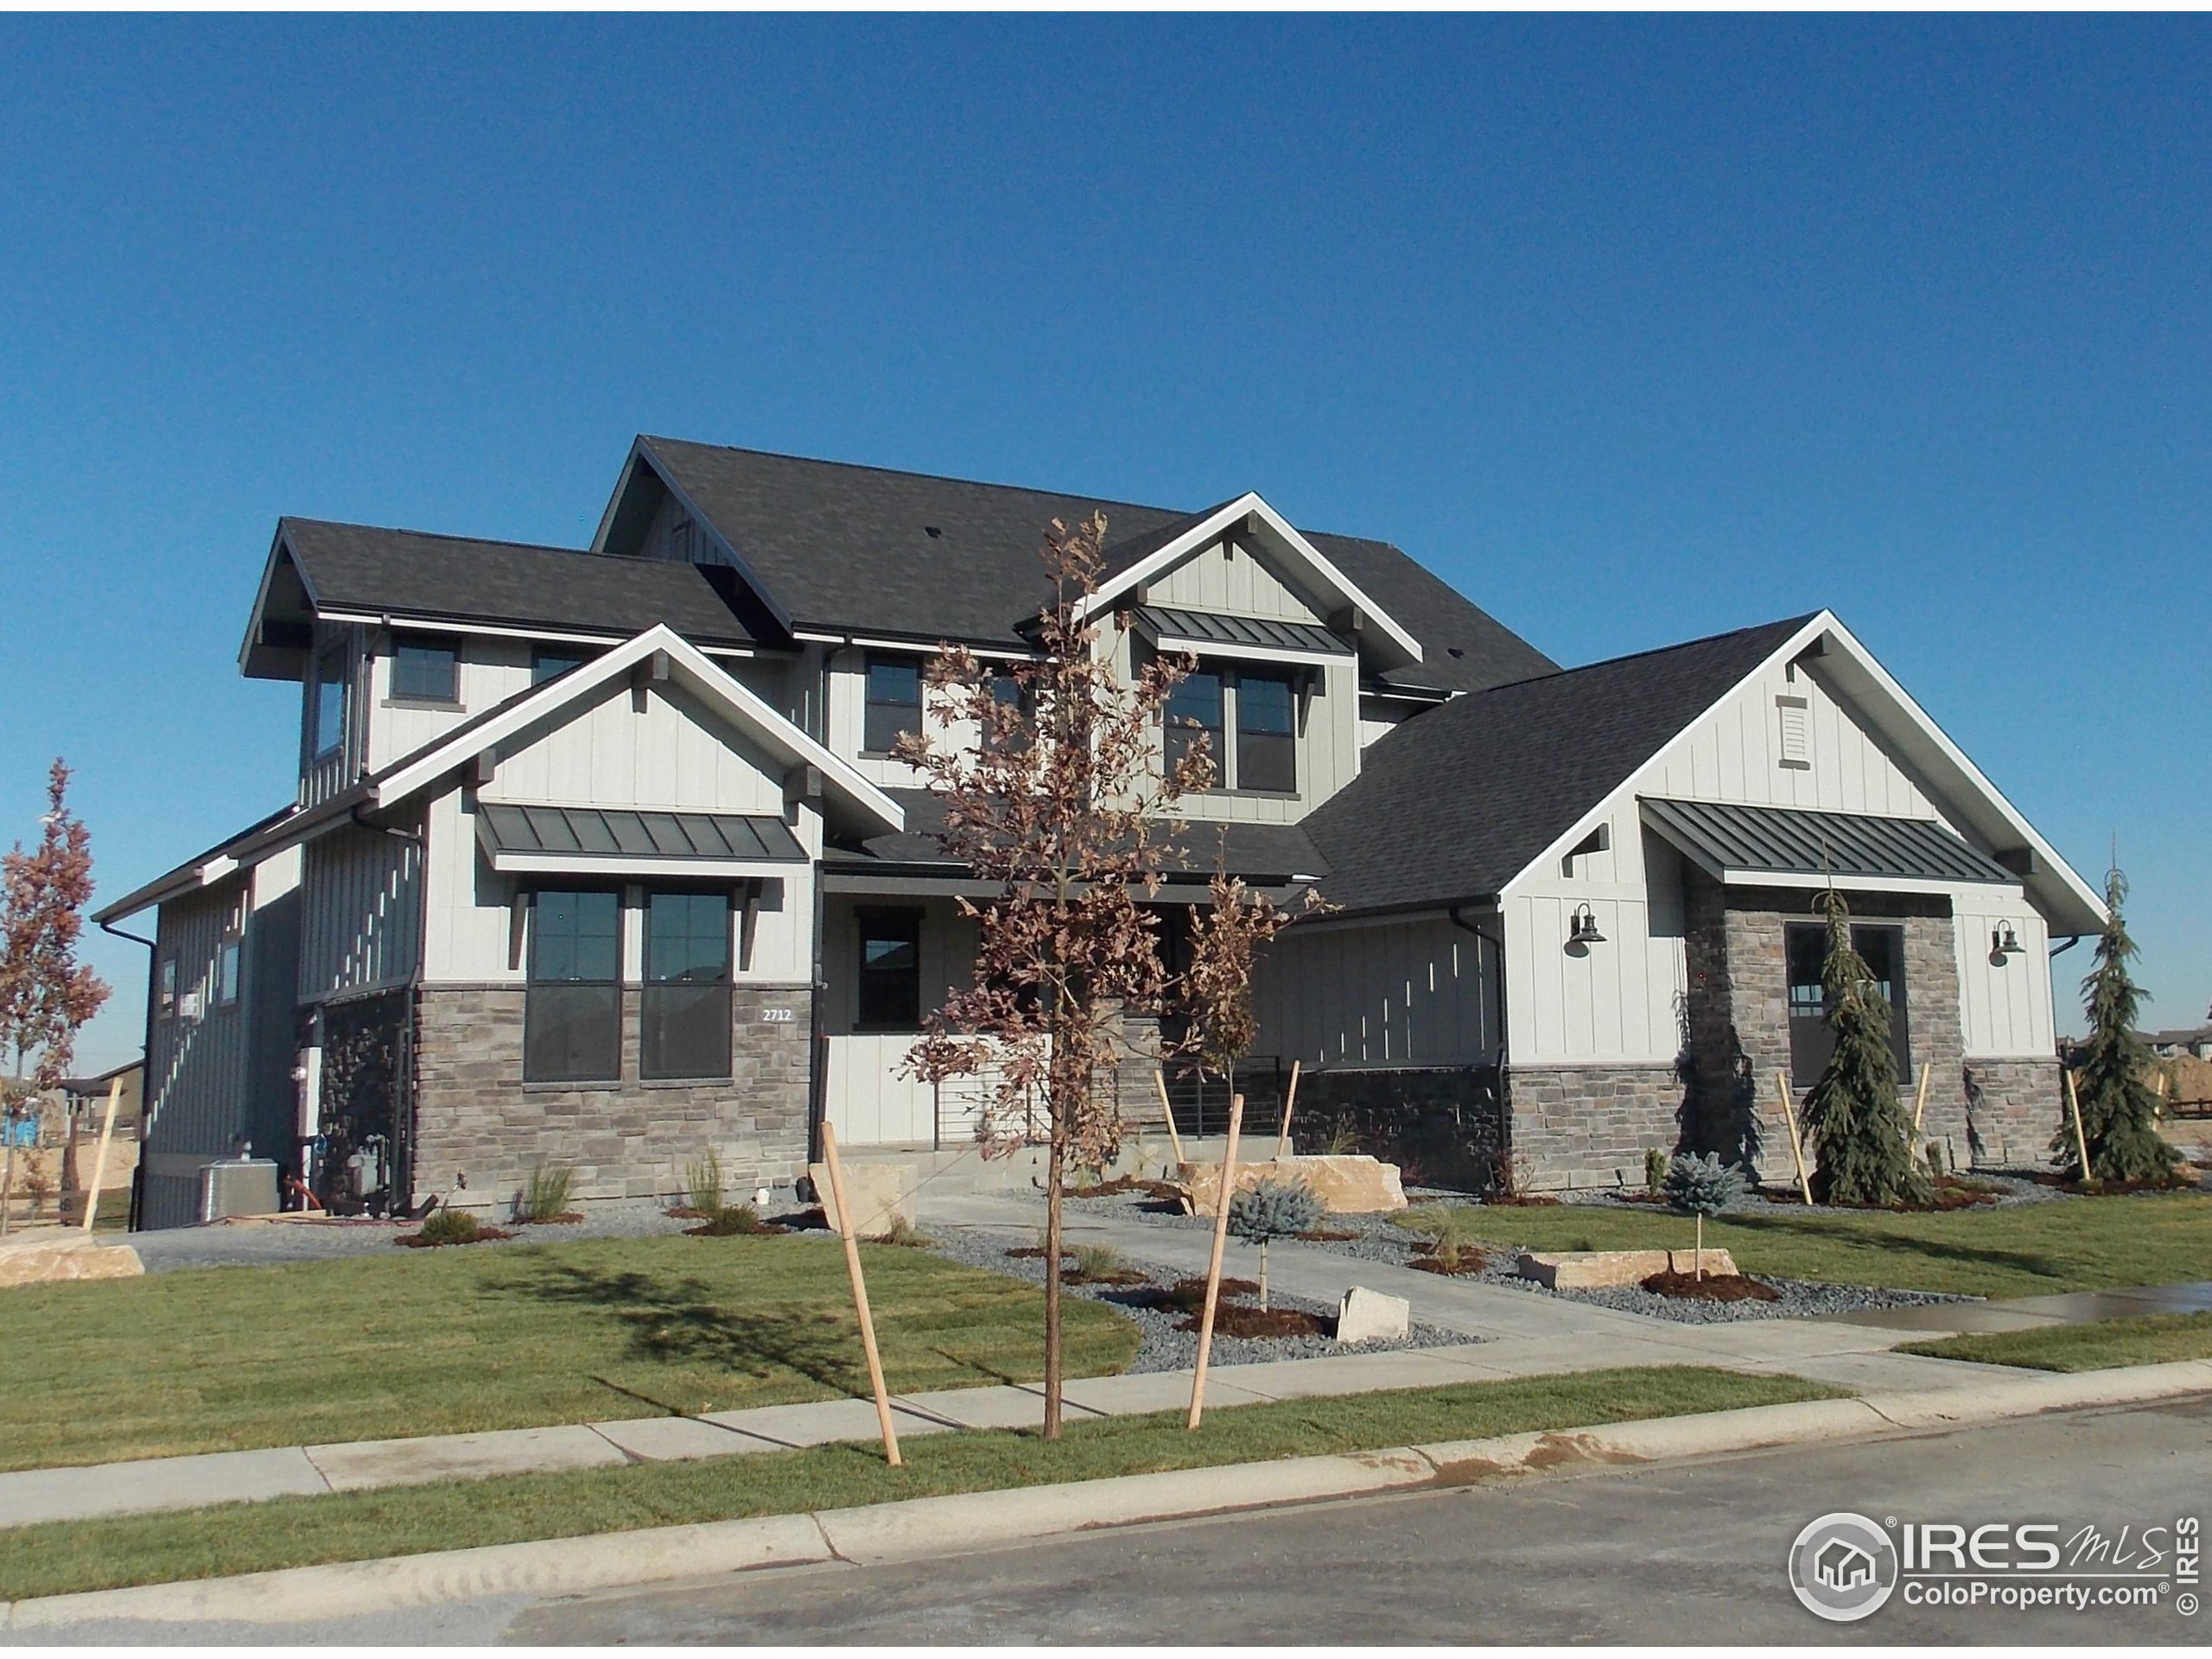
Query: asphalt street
x=1686, y=1554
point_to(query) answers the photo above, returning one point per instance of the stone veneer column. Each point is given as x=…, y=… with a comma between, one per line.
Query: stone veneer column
x=2013, y=1107
x=475, y=1116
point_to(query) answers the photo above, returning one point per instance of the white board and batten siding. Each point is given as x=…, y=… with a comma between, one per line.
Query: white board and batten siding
x=1778, y=740
x=2004, y=1004
x=1419, y=991
x=675, y=755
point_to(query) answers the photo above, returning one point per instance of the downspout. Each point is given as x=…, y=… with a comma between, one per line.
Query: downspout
x=1504, y=1072
x=2072, y=940
x=146, y=1066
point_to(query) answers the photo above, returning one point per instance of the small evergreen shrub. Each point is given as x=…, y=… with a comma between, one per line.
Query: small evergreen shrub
x=732, y=1221
x=1700, y=1184
x=451, y=1227
x=1655, y=1171
x=545, y=1195
x=1273, y=1209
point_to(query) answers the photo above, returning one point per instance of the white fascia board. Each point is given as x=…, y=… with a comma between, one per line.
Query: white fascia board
x=696, y=669
x=410, y=624
x=1825, y=625
x=1176, y=642
x=1809, y=883
x=642, y=456
x=1212, y=528
x=616, y=864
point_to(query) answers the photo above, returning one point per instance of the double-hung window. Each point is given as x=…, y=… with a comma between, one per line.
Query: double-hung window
x=894, y=703
x=425, y=671
x=1267, y=733
x=1194, y=711
x=572, y=1014
x=685, y=1012
x=890, y=990
x=1812, y=1040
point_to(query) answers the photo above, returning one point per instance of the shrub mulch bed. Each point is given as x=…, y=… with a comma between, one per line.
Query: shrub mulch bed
x=481, y=1235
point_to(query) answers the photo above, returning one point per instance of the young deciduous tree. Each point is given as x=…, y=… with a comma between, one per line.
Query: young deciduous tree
x=1054, y=793
x=1215, y=991
x=46, y=994
x=1860, y=1131
x=2112, y=1067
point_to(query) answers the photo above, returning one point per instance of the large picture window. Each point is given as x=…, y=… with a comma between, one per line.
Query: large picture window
x=1194, y=710
x=889, y=995
x=1267, y=733
x=686, y=1009
x=572, y=1014
x=894, y=702
x=1812, y=1042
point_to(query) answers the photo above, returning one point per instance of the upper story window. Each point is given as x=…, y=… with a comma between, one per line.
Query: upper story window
x=1194, y=710
x=229, y=957
x=326, y=715
x=1008, y=692
x=165, y=996
x=549, y=661
x=1260, y=705
x=1267, y=733
x=894, y=702
x=425, y=671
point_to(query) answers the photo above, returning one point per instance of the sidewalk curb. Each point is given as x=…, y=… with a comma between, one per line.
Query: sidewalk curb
x=915, y=1528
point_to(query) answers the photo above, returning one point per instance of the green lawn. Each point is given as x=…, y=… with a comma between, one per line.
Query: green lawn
x=446, y=1341
x=2093, y=1347
x=64, y=1556
x=2026, y=1249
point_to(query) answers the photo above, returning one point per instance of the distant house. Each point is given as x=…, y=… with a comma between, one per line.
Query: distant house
x=598, y=857
x=2194, y=1041
x=85, y=1099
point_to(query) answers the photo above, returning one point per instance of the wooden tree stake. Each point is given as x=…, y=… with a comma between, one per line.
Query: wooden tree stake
x=1289, y=1100
x=1175, y=1140
x=1796, y=1147
x=2080, y=1140
x=1920, y=1101
x=846, y=1226
x=99, y=1157
x=1213, y=1265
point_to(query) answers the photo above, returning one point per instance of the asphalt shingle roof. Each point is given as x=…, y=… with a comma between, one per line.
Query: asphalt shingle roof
x=1458, y=800
x=456, y=577
x=850, y=548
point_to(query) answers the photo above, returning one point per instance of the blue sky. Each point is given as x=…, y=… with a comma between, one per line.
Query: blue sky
x=1636, y=330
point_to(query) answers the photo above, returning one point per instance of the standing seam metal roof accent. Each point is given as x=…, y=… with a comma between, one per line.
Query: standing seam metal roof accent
x=602, y=832
x=1796, y=841
x=1262, y=632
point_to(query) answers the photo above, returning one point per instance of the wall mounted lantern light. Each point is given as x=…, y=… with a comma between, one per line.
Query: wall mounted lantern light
x=2003, y=943
x=1583, y=931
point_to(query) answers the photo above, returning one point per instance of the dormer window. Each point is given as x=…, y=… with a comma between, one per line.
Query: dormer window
x=1193, y=711
x=894, y=702
x=425, y=671
x=1267, y=733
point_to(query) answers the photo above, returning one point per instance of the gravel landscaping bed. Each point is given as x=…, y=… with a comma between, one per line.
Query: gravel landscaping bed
x=1377, y=1238
x=1165, y=1348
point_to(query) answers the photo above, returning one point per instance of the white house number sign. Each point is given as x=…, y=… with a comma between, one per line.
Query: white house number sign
x=775, y=1016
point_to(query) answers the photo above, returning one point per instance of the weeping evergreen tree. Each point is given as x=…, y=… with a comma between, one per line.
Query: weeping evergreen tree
x=1861, y=1134
x=2118, y=1111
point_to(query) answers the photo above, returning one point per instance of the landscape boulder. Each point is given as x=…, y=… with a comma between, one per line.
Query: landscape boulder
x=42, y=1260
x=1369, y=1316
x=1592, y=1269
x=882, y=1194
x=1355, y=1185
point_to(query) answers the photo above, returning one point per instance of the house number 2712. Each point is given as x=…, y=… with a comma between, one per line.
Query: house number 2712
x=776, y=1016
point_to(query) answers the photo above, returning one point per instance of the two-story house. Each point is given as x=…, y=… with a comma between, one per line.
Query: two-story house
x=599, y=856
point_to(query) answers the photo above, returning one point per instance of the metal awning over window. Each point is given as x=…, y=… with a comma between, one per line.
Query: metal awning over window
x=1789, y=846
x=601, y=839
x=1208, y=633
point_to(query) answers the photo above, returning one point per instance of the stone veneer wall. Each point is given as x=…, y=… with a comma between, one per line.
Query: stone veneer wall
x=1591, y=1125
x=2013, y=1107
x=475, y=1114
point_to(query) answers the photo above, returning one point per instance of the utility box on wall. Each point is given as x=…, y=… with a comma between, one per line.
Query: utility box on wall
x=237, y=1187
